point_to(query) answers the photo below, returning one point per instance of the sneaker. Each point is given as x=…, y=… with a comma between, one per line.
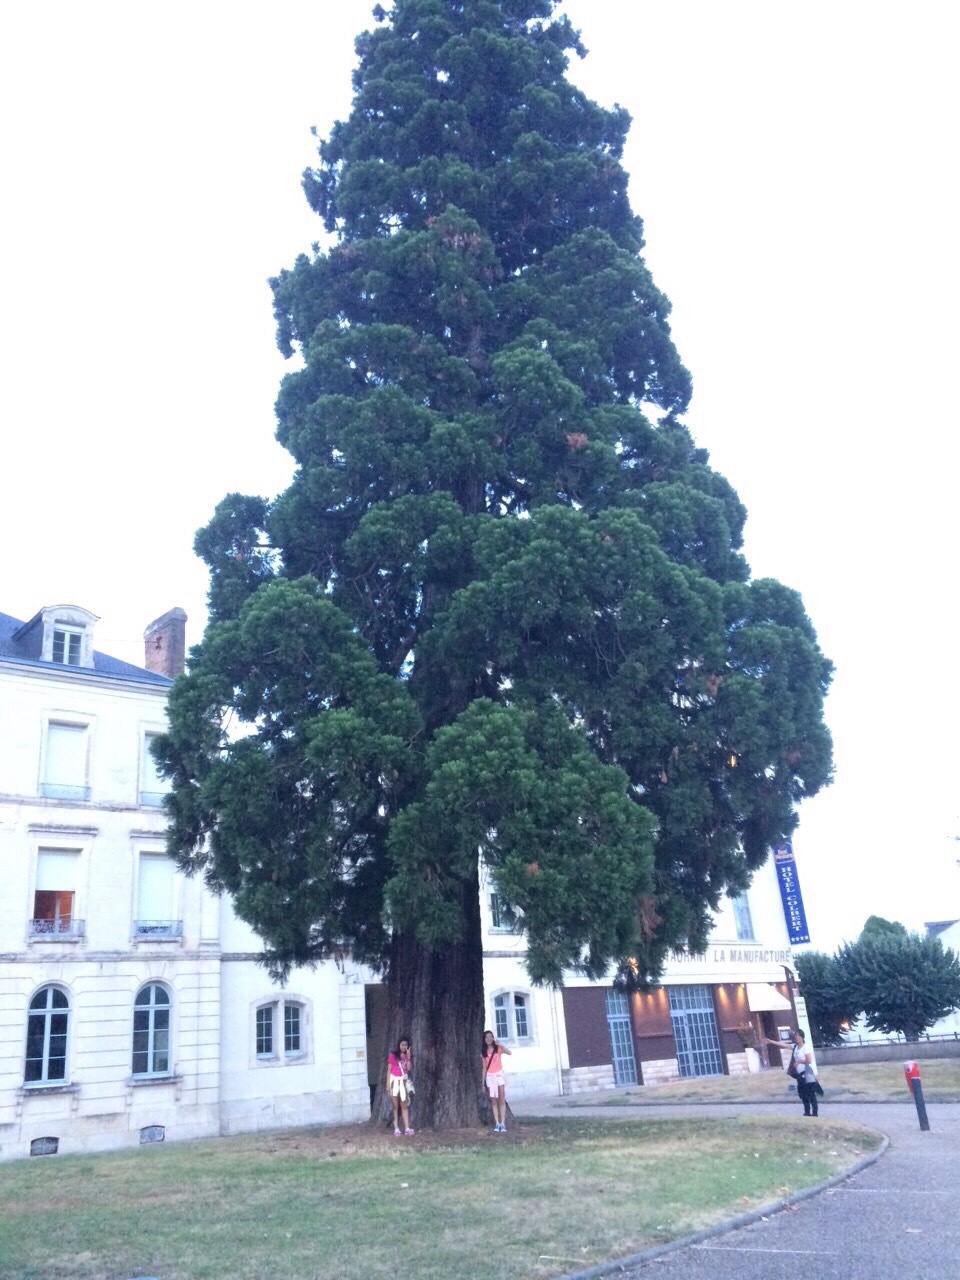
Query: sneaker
x=408, y=1132
x=500, y=1128
x=396, y=1133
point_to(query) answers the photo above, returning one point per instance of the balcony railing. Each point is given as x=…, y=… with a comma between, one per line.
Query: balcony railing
x=64, y=791
x=158, y=928
x=68, y=927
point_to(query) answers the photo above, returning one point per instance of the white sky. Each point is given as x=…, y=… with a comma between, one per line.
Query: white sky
x=794, y=167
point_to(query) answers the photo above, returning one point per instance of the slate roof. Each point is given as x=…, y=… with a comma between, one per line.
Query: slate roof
x=12, y=650
x=935, y=927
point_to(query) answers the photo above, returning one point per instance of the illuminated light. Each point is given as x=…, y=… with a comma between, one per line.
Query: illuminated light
x=732, y=760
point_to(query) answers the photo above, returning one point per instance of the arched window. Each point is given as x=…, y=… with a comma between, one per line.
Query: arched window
x=511, y=1017
x=47, y=1025
x=151, y=1031
x=281, y=1030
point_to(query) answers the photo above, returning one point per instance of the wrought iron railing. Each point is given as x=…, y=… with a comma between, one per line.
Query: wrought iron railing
x=68, y=927
x=157, y=928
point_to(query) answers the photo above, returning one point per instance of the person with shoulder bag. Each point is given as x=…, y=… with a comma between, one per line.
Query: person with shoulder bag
x=801, y=1068
x=400, y=1086
x=495, y=1080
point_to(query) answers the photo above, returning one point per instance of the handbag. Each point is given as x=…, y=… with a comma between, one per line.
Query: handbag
x=410, y=1089
x=792, y=1070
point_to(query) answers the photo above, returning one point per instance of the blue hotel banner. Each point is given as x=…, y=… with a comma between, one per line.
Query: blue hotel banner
x=790, y=893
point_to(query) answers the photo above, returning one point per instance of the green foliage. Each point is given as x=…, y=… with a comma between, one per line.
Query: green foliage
x=903, y=982
x=829, y=1009
x=502, y=609
x=877, y=927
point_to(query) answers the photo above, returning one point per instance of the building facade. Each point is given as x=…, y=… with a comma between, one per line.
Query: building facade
x=133, y=1008
x=708, y=1016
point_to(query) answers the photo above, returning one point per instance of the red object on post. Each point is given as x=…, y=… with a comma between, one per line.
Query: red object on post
x=912, y=1072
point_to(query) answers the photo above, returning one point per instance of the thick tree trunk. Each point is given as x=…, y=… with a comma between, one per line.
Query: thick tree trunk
x=436, y=1000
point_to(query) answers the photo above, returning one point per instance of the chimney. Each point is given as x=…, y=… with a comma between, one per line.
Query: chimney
x=165, y=645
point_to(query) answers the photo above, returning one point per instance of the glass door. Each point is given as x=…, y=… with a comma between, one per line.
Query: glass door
x=621, y=1038
x=695, y=1031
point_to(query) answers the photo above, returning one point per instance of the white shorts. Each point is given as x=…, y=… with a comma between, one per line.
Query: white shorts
x=495, y=1083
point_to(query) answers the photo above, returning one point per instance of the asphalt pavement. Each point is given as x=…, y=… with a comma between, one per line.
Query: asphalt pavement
x=899, y=1217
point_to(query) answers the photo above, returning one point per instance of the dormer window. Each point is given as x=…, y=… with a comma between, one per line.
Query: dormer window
x=66, y=645
x=61, y=634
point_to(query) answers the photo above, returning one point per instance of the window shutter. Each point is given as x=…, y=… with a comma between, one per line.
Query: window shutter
x=57, y=869
x=155, y=887
x=65, y=770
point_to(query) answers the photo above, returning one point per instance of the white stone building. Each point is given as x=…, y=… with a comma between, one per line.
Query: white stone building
x=132, y=1007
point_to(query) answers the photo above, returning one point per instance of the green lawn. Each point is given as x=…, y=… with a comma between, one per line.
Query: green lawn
x=847, y=1082
x=354, y=1204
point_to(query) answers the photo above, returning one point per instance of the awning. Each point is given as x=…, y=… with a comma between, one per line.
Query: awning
x=763, y=996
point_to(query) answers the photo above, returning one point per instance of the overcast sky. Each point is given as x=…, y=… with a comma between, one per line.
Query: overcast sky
x=794, y=166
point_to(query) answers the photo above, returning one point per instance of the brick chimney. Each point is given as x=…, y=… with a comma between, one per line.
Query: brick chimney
x=165, y=644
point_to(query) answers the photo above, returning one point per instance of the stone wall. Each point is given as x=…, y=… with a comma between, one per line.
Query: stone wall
x=889, y=1051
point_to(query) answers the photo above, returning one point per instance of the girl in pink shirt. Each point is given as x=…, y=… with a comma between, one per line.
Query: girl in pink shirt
x=399, y=1066
x=495, y=1080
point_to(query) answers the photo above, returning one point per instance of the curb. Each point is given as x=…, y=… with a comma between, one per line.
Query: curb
x=721, y=1228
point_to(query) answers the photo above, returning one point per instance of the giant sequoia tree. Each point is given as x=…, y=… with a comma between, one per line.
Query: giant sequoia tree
x=501, y=614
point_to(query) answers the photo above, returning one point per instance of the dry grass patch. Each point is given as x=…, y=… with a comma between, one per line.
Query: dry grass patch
x=353, y=1204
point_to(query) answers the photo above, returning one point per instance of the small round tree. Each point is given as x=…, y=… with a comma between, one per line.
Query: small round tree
x=829, y=1010
x=903, y=983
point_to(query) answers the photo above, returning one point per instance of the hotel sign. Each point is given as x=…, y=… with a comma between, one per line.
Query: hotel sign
x=790, y=895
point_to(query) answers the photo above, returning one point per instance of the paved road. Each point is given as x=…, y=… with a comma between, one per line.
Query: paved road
x=898, y=1218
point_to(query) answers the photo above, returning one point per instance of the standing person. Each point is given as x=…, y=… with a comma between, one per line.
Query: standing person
x=801, y=1068
x=495, y=1080
x=399, y=1086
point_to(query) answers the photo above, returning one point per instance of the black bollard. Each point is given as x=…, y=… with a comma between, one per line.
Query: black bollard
x=917, y=1089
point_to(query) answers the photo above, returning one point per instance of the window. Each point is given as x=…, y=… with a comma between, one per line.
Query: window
x=153, y=787
x=151, y=1031
x=156, y=887
x=291, y=1028
x=55, y=894
x=66, y=645
x=47, y=1024
x=265, y=1032
x=511, y=1016
x=741, y=918
x=291, y=1016
x=65, y=762
x=503, y=917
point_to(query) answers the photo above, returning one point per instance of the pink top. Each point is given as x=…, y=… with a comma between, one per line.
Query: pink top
x=493, y=1062
x=398, y=1066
